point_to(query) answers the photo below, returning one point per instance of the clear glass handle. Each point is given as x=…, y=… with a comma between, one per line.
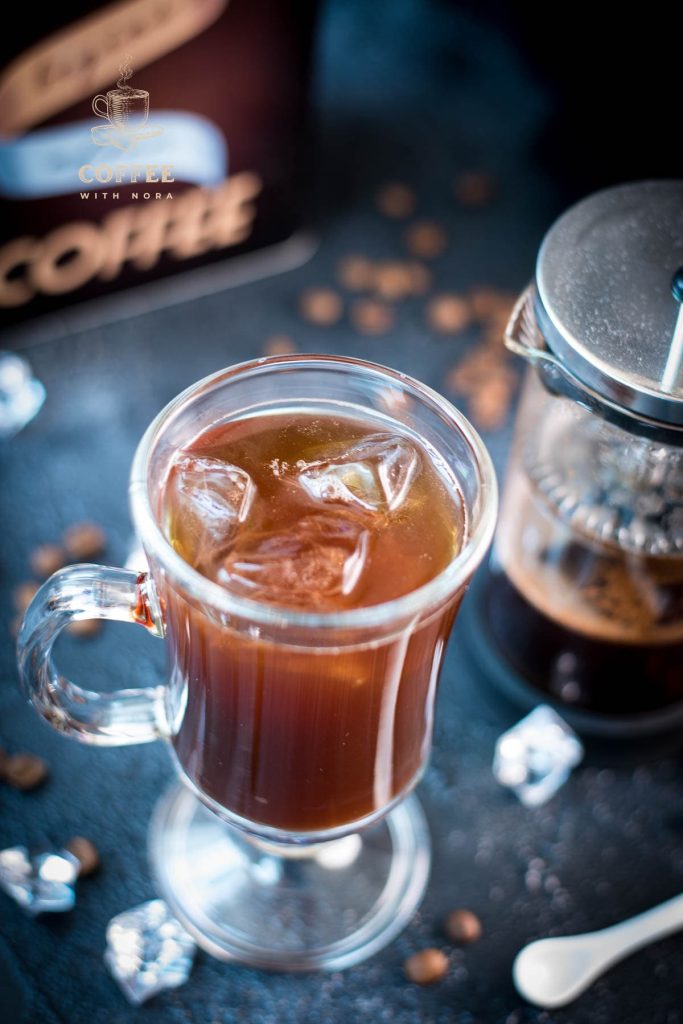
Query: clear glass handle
x=90, y=592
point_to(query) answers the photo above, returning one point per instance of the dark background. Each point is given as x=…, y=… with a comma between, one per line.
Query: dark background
x=553, y=104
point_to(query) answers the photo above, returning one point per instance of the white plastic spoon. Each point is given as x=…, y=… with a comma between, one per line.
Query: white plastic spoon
x=553, y=972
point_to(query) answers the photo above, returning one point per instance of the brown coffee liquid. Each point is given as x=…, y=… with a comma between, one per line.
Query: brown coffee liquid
x=585, y=621
x=318, y=513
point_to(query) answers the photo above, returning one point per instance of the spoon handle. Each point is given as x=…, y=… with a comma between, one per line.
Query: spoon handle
x=630, y=935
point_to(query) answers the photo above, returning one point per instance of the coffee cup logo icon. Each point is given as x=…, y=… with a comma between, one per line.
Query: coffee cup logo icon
x=126, y=111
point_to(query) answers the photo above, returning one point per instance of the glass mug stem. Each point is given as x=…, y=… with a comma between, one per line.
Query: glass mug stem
x=90, y=592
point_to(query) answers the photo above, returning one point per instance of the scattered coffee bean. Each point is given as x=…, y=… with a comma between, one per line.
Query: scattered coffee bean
x=494, y=333
x=86, y=853
x=393, y=280
x=321, y=306
x=474, y=188
x=25, y=771
x=396, y=200
x=420, y=278
x=462, y=926
x=490, y=405
x=278, y=345
x=479, y=367
x=23, y=594
x=491, y=304
x=46, y=559
x=426, y=239
x=495, y=327
x=84, y=628
x=487, y=380
x=370, y=316
x=448, y=314
x=356, y=274
x=84, y=541
x=462, y=378
x=426, y=967
x=487, y=414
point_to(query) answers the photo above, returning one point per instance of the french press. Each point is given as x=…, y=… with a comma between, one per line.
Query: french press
x=582, y=602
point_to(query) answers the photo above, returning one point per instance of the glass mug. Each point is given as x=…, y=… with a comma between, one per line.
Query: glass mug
x=259, y=851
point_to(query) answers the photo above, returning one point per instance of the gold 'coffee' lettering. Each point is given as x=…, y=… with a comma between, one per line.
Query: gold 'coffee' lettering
x=67, y=256
x=200, y=220
x=15, y=289
x=124, y=174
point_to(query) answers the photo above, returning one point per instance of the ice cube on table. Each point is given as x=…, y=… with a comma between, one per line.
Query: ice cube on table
x=209, y=500
x=319, y=558
x=535, y=757
x=21, y=395
x=374, y=475
x=41, y=882
x=148, y=950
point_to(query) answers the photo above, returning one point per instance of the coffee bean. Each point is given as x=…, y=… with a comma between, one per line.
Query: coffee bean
x=46, y=559
x=490, y=405
x=86, y=853
x=491, y=304
x=462, y=926
x=420, y=278
x=393, y=280
x=426, y=967
x=494, y=333
x=23, y=594
x=278, y=345
x=84, y=628
x=4, y=758
x=426, y=239
x=25, y=771
x=466, y=376
x=448, y=314
x=474, y=188
x=370, y=316
x=321, y=306
x=479, y=368
x=396, y=200
x=84, y=541
x=356, y=273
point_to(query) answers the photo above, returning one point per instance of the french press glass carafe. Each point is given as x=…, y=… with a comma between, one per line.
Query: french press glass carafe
x=582, y=605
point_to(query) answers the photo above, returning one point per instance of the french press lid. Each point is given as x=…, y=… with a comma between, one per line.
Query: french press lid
x=607, y=302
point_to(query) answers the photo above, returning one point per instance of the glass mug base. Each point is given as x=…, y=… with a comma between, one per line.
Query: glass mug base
x=325, y=906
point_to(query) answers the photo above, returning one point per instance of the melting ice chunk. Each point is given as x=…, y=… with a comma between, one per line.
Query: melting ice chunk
x=210, y=499
x=316, y=560
x=375, y=474
x=21, y=395
x=148, y=950
x=40, y=883
x=534, y=757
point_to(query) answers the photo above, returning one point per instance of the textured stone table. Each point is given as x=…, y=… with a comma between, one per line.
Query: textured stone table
x=421, y=100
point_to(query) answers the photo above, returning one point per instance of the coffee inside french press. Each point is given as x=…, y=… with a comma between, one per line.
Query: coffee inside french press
x=583, y=598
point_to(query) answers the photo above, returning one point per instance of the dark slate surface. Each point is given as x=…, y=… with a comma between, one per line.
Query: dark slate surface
x=420, y=99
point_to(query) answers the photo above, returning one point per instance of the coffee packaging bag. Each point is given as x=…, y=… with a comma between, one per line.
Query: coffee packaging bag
x=142, y=138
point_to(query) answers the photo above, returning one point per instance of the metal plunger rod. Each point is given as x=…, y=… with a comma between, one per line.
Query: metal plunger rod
x=675, y=359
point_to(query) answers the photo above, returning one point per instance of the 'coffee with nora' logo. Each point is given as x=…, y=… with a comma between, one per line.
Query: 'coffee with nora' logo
x=126, y=112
